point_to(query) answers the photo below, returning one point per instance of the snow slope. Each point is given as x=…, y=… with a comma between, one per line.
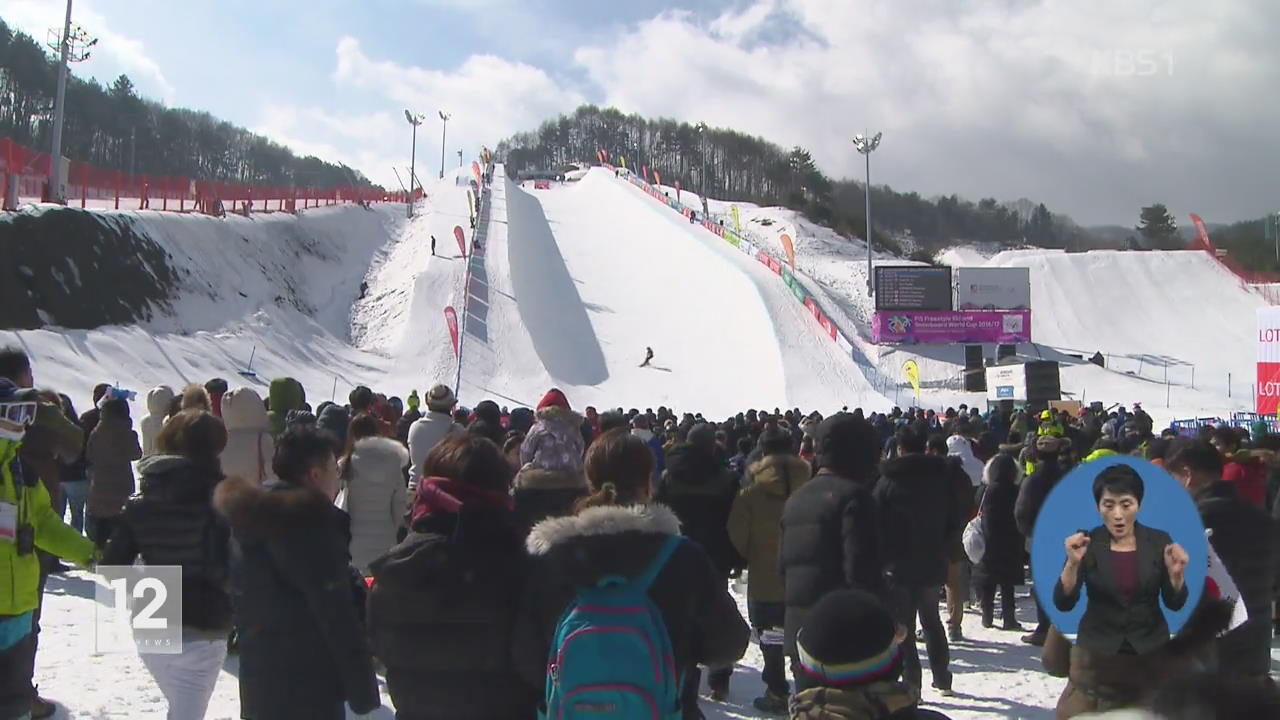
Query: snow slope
x=579, y=279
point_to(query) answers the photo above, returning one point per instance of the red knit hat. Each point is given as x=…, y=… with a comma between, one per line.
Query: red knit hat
x=554, y=398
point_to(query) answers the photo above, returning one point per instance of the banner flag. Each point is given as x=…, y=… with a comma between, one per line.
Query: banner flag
x=912, y=372
x=677, y=190
x=737, y=220
x=461, y=238
x=657, y=179
x=790, y=249
x=451, y=319
x=622, y=160
x=645, y=170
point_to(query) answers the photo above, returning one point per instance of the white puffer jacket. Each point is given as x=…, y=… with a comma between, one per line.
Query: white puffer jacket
x=375, y=498
x=249, y=445
x=959, y=446
x=159, y=402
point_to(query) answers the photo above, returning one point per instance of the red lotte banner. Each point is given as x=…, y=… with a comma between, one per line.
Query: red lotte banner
x=1268, y=398
x=451, y=319
x=461, y=238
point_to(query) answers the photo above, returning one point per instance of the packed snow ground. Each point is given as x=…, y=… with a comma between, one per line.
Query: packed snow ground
x=995, y=675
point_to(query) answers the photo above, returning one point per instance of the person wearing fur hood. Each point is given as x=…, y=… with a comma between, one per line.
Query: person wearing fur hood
x=551, y=478
x=298, y=607
x=372, y=470
x=617, y=531
x=249, y=444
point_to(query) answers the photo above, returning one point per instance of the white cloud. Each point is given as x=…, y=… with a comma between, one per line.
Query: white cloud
x=1094, y=107
x=116, y=52
x=487, y=97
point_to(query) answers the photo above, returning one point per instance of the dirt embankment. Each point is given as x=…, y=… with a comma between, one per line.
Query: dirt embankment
x=78, y=269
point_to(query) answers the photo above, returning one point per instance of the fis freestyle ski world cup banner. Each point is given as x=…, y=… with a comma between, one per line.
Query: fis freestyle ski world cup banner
x=1268, y=360
x=939, y=327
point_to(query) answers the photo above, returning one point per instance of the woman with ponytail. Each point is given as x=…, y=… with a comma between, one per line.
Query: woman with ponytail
x=617, y=531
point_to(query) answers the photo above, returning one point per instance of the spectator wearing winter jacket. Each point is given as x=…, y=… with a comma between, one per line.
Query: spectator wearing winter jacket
x=962, y=507
x=618, y=531
x=1247, y=541
x=1247, y=473
x=914, y=500
x=488, y=412
x=112, y=448
x=851, y=656
x=172, y=522
x=431, y=429
x=303, y=652
x=1031, y=497
x=372, y=469
x=1001, y=567
x=333, y=422
x=960, y=447
x=444, y=601
x=754, y=530
x=828, y=534
x=159, y=403
x=195, y=397
x=550, y=479
x=640, y=428
x=411, y=415
x=249, y=447
x=216, y=388
x=284, y=395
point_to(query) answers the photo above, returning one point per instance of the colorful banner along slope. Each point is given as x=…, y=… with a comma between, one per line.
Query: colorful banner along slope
x=940, y=328
x=1268, y=399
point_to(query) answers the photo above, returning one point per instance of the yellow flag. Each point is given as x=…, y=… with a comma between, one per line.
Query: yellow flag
x=623, y=162
x=912, y=372
x=737, y=222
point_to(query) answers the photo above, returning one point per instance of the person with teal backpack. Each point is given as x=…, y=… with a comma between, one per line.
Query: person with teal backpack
x=619, y=607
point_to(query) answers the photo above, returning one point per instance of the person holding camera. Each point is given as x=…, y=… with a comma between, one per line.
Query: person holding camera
x=28, y=523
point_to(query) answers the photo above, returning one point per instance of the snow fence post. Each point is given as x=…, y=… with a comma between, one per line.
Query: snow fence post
x=1228, y=384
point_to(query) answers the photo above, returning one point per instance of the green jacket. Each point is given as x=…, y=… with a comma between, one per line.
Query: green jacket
x=755, y=521
x=284, y=394
x=20, y=574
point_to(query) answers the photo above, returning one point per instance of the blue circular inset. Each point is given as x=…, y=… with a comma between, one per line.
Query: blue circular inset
x=1166, y=505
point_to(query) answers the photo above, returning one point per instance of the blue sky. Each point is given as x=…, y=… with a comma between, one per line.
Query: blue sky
x=1092, y=106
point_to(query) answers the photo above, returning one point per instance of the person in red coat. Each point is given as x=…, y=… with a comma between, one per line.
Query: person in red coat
x=1240, y=468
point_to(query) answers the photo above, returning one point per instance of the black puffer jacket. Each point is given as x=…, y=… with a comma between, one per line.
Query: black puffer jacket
x=1034, y=491
x=303, y=649
x=701, y=492
x=542, y=494
x=914, y=499
x=441, y=614
x=701, y=617
x=172, y=522
x=1002, y=558
x=1245, y=538
x=829, y=542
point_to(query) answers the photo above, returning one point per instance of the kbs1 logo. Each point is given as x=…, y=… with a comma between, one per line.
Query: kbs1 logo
x=1133, y=63
x=138, y=609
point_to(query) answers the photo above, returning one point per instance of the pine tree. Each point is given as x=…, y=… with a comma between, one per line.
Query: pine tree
x=1157, y=228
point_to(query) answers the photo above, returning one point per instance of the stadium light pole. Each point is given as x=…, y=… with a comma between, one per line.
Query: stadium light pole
x=701, y=129
x=866, y=146
x=415, y=121
x=444, y=133
x=72, y=45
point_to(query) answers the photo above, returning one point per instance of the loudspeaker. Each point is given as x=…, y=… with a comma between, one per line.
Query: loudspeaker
x=1043, y=382
x=1005, y=351
x=975, y=374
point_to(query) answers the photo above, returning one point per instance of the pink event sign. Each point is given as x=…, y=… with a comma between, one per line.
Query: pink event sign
x=942, y=327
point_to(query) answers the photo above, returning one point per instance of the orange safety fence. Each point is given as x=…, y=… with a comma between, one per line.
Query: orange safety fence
x=90, y=186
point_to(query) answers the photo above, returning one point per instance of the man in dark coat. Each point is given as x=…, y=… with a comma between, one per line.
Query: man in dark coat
x=701, y=492
x=914, y=500
x=962, y=509
x=1246, y=539
x=829, y=539
x=1031, y=497
x=303, y=652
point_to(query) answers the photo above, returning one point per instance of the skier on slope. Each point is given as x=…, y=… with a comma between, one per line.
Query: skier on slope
x=648, y=357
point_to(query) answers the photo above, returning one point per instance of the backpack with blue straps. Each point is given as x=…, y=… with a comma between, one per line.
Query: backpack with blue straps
x=611, y=656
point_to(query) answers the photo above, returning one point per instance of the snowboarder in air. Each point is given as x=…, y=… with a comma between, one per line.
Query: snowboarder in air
x=648, y=357
x=433, y=244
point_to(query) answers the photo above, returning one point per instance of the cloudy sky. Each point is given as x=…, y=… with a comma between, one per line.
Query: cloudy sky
x=1095, y=107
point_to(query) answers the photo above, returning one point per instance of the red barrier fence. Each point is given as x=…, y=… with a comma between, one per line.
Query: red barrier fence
x=96, y=187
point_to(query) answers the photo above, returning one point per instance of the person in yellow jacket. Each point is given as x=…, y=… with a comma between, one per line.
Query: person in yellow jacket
x=27, y=523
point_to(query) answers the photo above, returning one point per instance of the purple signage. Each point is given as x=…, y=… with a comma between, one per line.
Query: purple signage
x=941, y=328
